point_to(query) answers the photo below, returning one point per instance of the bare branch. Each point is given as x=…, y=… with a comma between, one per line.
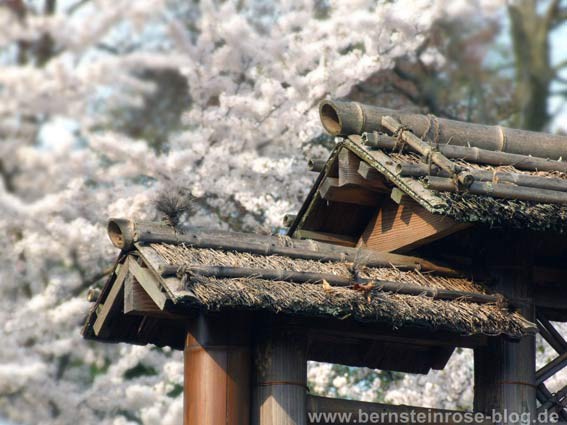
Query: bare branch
x=551, y=13
x=76, y=6
x=560, y=66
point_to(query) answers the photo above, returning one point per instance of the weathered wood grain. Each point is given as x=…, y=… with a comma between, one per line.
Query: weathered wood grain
x=111, y=304
x=405, y=227
x=331, y=190
x=149, y=283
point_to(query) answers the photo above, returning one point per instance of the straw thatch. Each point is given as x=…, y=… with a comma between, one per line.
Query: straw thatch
x=320, y=300
x=470, y=208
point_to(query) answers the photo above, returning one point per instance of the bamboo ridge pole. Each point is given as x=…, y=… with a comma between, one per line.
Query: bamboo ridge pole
x=476, y=155
x=427, y=151
x=499, y=190
x=124, y=233
x=422, y=170
x=224, y=272
x=345, y=118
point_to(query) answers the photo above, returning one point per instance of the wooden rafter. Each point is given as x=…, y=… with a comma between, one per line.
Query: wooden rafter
x=110, y=305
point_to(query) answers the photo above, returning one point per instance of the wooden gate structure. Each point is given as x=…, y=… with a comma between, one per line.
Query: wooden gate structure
x=419, y=236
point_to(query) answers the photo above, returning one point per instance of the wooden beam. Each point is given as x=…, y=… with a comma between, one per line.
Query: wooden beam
x=551, y=368
x=349, y=164
x=331, y=190
x=378, y=413
x=280, y=378
x=344, y=240
x=111, y=305
x=404, y=227
x=370, y=173
x=550, y=334
x=150, y=284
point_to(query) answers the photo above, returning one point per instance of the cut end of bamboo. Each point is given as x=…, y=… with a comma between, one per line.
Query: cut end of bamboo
x=330, y=117
x=341, y=118
x=121, y=232
x=316, y=165
x=288, y=219
x=93, y=294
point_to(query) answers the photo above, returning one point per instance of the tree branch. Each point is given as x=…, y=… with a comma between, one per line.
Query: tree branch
x=551, y=13
x=560, y=66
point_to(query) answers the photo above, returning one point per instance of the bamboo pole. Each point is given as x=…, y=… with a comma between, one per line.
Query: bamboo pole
x=316, y=165
x=288, y=219
x=427, y=151
x=124, y=233
x=423, y=170
x=476, y=155
x=499, y=190
x=345, y=118
x=225, y=272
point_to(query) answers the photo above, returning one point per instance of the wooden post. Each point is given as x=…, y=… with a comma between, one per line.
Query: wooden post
x=505, y=380
x=217, y=371
x=280, y=384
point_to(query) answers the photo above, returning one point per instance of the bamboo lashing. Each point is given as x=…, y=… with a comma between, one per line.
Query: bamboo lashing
x=406, y=169
x=224, y=272
x=427, y=151
x=345, y=118
x=475, y=155
x=500, y=190
x=124, y=233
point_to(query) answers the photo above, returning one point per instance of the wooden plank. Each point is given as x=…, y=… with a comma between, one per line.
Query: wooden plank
x=154, y=262
x=398, y=196
x=349, y=165
x=136, y=300
x=367, y=412
x=110, y=305
x=368, y=172
x=348, y=193
x=375, y=354
x=149, y=283
x=344, y=240
x=405, y=227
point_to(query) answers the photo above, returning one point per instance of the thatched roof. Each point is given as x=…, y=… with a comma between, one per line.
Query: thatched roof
x=469, y=172
x=463, y=206
x=181, y=274
x=316, y=299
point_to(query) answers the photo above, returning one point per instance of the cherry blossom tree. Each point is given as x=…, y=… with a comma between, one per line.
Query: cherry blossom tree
x=103, y=104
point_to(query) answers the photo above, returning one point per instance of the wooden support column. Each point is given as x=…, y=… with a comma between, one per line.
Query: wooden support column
x=280, y=383
x=505, y=380
x=217, y=371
